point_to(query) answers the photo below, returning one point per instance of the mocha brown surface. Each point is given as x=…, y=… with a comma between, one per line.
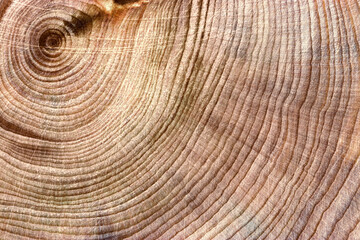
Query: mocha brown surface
x=179, y=119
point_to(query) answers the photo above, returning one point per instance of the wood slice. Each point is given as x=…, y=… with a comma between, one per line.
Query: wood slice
x=179, y=119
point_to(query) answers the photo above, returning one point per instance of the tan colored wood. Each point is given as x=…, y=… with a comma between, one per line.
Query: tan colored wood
x=179, y=119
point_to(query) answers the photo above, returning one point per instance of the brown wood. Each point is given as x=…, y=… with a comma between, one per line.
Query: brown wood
x=179, y=119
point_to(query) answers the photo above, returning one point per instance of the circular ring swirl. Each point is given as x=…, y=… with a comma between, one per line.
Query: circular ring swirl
x=48, y=69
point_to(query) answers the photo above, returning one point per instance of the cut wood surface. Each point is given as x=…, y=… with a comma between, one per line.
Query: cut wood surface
x=179, y=119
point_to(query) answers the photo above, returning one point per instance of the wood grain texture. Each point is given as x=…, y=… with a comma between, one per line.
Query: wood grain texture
x=169, y=119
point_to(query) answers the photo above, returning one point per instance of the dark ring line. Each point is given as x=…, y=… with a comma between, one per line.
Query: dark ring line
x=51, y=40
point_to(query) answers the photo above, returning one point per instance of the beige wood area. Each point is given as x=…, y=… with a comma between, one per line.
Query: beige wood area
x=179, y=119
